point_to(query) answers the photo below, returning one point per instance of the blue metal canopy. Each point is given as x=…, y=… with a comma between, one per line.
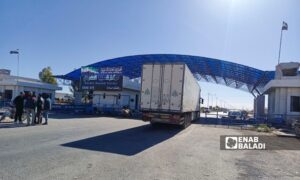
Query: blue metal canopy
x=205, y=69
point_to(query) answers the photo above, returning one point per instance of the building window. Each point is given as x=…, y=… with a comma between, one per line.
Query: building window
x=8, y=94
x=295, y=104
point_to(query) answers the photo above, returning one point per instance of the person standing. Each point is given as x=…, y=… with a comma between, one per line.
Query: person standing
x=39, y=108
x=19, y=105
x=35, y=100
x=47, y=108
x=30, y=105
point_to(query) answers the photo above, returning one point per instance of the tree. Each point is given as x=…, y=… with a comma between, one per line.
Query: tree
x=46, y=76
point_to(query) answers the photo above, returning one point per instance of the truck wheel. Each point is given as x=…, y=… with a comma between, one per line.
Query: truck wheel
x=153, y=124
x=186, y=121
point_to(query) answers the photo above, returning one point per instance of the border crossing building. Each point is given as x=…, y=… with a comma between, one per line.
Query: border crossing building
x=252, y=80
x=11, y=86
x=129, y=96
x=284, y=93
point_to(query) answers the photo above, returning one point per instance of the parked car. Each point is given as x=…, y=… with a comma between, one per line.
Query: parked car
x=206, y=110
x=238, y=114
x=9, y=112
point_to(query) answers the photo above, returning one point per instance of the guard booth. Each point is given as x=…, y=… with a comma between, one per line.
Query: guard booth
x=110, y=90
x=284, y=93
x=107, y=101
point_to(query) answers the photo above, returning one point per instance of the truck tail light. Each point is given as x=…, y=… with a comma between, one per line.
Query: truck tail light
x=175, y=117
x=148, y=115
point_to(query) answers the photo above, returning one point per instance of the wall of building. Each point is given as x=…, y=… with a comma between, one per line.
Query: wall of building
x=17, y=89
x=280, y=91
x=279, y=102
x=21, y=84
x=259, y=106
x=111, y=99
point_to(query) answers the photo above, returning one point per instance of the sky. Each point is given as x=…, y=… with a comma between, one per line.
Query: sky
x=68, y=34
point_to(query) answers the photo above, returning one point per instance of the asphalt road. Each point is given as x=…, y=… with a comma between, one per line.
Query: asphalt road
x=110, y=148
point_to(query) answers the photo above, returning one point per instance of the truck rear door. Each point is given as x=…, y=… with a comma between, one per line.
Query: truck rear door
x=176, y=87
x=166, y=86
x=155, y=92
x=146, y=86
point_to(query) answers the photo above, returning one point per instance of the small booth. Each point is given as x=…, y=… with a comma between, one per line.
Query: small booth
x=113, y=100
x=107, y=89
x=284, y=93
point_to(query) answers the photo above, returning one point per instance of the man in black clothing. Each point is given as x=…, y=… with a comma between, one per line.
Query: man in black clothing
x=47, y=108
x=39, y=109
x=19, y=104
x=30, y=106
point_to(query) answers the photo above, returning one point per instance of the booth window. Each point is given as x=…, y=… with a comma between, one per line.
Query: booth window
x=295, y=104
x=8, y=94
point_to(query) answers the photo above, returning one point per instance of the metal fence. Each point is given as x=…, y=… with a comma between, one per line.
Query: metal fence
x=274, y=120
x=73, y=109
x=4, y=103
x=88, y=109
x=231, y=122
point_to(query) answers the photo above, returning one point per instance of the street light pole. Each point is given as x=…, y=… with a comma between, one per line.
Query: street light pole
x=18, y=65
x=18, y=56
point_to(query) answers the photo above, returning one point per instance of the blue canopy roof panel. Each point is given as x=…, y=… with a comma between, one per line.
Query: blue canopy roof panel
x=205, y=69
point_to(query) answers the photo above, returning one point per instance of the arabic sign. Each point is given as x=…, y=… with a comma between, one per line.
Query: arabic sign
x=101, y=78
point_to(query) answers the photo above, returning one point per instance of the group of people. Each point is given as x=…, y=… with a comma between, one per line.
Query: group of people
x=35, y=107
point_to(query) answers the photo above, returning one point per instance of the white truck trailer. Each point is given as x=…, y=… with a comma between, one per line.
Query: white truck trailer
x=169, y=94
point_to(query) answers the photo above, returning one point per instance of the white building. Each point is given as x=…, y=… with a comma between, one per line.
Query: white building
x=129, y=96
x=11, y=86
x=284, y=93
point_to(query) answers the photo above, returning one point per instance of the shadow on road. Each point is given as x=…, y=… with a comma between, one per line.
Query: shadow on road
x=127, y=142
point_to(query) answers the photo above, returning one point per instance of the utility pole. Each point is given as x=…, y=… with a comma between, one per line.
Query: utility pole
x=212, y=101
x=217, y=106
x=207, y=100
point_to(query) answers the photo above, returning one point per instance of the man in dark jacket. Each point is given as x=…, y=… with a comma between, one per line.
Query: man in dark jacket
x=30, y=106
x=47, y=108
x=19, y=105
x=39, y=109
